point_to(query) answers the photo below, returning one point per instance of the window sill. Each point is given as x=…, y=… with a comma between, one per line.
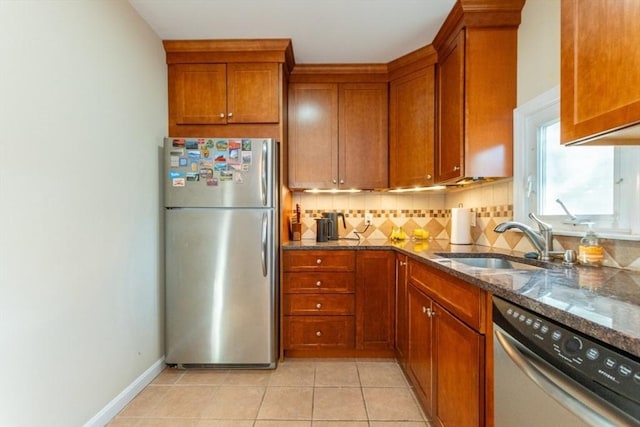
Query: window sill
x=601, y=234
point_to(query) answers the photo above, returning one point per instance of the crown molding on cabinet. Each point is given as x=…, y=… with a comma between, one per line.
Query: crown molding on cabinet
x=232, y=50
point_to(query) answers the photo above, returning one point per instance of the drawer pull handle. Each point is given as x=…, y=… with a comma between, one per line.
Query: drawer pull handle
x=318, y=283
x=402, y=263
x=429, y=312
x=318, y=306
x=318, y=261
x=318, y=333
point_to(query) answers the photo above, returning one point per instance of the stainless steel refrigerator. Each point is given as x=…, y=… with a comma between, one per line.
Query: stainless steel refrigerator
x=221, y=246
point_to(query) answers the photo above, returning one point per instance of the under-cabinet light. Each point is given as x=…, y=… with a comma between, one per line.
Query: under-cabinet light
x=418, y=189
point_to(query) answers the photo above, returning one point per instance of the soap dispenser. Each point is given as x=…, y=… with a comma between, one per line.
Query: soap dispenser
x=590, y=252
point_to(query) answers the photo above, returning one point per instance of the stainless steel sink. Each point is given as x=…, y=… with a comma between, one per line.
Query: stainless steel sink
x=492, y=262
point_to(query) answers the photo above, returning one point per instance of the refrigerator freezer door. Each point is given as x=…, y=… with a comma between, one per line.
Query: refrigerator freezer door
x=220, y=287
x=217, y=172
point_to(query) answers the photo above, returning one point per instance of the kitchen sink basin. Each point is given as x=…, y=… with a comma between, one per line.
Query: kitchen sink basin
x=492, y=262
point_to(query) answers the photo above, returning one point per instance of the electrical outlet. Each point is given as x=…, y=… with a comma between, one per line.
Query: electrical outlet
x=368, y=218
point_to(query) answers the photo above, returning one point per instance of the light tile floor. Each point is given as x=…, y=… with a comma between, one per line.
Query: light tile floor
x=299, y=393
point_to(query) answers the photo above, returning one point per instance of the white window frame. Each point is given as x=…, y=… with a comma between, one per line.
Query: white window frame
x=527, y=119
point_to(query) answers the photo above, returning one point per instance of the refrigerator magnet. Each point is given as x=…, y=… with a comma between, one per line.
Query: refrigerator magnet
x=212, y=182
x=176, y=174
x=191, y=144
x=209, y=144
x=178, y=182
x=194, y=154
x=246, y=145
x=220, y=166
x=237, y=177
x=246, y=158
x=226, y=175
x=206, y=173
x=175, y=161
x=222, y=145
x=194, y=166
x=206, y=163
x=182, y=162
x=193, y=176
x=220, y=156
x=178, y=143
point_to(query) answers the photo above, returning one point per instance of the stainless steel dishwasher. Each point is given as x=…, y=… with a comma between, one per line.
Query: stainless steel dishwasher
x=546, y=374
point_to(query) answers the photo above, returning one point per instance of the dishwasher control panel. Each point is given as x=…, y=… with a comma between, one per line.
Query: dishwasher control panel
x=575, y=354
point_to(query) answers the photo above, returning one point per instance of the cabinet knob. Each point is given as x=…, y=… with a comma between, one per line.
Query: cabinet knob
x=222, y=115
x=318, y=261
x=318, y=333
x=318, y=306
x=342, y=181
x=335, y=181
x=230, y=115
x=456, y=168
x=429, y=176
x=428, y=311
x=318, y=283
x=402, y=263
x=424, y=309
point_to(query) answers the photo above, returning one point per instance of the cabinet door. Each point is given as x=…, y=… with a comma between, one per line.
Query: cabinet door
x=197, y=94
x=252, y=93
x=363, y=136
x=374, y=299
x=313, y=135
x=450, y=140
x=600, y=67
x=412, y=129
x=459, y=366
x=420, y=346
x=402, y=323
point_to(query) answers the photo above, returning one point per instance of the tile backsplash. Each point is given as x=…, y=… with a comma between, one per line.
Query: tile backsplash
x=490, y=203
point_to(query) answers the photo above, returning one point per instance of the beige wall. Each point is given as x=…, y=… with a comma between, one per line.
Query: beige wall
x=83, y=110
x=538, y=48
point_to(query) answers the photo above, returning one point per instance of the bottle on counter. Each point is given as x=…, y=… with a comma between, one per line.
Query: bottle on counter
x=590, y=252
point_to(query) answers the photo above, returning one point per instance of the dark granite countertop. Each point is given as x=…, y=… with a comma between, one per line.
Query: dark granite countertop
x=603, y=303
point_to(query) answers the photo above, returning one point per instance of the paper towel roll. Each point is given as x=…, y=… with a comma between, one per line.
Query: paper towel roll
x=460, y=226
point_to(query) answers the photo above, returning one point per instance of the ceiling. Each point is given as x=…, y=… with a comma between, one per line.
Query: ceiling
x=322, y=31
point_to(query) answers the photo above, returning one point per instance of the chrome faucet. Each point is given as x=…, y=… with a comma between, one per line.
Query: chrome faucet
x=541, y=240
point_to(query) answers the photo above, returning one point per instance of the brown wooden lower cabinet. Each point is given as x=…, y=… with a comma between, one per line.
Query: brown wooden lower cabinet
x=338, y=303
x=446, y=356
x=375, y=277
x=420, y=356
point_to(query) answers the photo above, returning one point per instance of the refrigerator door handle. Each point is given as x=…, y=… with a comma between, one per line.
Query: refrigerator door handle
x=263, y=180
x=265, y=221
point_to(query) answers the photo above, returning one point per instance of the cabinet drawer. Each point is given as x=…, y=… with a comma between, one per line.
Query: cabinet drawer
x=465, y=301
x=319, y=331
x=319, y=261
x=319, y=304
x=319, y=282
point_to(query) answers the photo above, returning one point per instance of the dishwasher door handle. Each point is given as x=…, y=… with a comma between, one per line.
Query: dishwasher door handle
x=568, y=393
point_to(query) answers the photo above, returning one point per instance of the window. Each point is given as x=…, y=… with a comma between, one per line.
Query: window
x=569, y=186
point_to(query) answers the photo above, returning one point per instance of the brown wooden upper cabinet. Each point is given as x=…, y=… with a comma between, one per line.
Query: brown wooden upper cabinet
x=600, y=71
x=412, y=120
x=476, y=90
x=239, y=83
x=338, y=135
x=218, y=94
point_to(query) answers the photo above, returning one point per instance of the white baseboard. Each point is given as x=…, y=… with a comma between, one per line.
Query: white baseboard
x=120, y=401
